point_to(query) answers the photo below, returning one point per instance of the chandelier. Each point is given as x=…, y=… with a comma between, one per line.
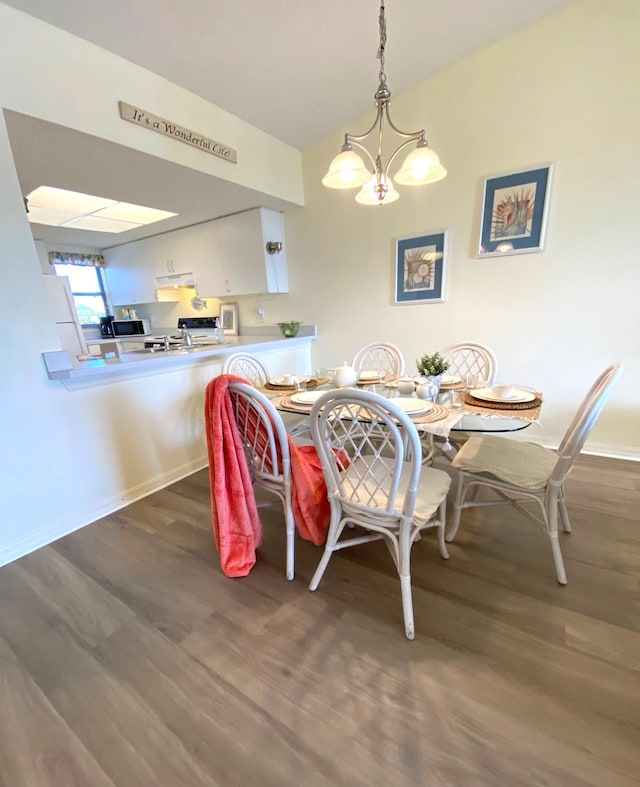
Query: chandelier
x=349, y=171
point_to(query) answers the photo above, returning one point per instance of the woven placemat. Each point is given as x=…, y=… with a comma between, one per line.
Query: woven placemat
x=296, y=407
x=313, y=382
x=436, y=414
x=469, y=399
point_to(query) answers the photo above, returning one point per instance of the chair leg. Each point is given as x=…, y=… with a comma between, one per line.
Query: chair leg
x=564, y=514
x=557, y=558
x=322, y=566
x=407, y=607
x=291, y=539
x=552, y=515
x=457, y=507
x=404, y=570
x=442, y=514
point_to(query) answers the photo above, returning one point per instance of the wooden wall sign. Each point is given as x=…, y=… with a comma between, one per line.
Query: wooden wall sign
x=145, y=119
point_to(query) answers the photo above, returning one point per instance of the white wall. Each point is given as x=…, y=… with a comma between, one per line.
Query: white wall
x=53, y=75
x=69, y=457
x=564, y=90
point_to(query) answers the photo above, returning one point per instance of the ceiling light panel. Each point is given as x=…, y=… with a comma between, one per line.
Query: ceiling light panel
x=62, y=208
x=98, y=224
x=54, y=218
x=61, y=199
x=125, y=211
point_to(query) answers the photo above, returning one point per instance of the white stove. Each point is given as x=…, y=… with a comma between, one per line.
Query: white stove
x=203, y=330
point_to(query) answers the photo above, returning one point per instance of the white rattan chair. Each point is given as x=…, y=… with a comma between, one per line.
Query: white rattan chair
x=520, y=473
x=246, y=366
x=267, y=450
x=379, y=357
x=383, y=488
x=250, y=368
x=469, y=358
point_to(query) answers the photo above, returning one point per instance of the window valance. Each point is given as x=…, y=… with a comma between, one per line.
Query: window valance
x=95, y=260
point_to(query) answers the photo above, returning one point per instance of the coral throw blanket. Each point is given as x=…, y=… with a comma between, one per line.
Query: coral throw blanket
x=236, y=526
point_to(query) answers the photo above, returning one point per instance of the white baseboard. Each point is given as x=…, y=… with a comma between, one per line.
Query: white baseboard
x=55, y=530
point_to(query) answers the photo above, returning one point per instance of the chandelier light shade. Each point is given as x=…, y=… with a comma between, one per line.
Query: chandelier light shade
x=377, y=191
x=348, y=170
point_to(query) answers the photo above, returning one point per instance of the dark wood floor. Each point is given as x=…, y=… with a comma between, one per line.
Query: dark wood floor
x=129, y=659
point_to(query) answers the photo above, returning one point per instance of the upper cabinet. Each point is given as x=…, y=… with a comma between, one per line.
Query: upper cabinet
x=228, y=256
x=130, y=274
x=254, y=257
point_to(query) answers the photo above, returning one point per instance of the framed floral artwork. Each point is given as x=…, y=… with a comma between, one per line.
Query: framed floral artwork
x=514, y=212
x=421, y=268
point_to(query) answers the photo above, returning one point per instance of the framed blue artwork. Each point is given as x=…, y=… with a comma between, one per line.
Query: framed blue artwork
x=421, y=268
x=514, y=212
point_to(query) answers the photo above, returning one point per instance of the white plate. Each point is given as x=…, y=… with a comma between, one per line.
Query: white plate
x=370, y=375
x=492, y=395
x=289, y=383
x=306, y=397
x=412, y=406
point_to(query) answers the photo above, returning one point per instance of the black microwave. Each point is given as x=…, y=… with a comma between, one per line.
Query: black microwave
x=131, y=328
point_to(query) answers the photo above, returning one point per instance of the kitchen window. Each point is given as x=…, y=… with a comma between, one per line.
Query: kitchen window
x=84, y=272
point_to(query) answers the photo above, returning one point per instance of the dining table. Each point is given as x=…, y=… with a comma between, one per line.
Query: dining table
x=440, y=418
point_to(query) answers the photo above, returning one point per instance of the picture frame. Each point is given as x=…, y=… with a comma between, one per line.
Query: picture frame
x=421, y=268
x=515, y=208
x=229, y=319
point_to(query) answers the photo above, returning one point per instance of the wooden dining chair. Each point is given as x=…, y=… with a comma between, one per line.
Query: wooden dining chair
x=518, y=473
x=379, y=357
x=266, y=447
x=370, y=454
x=471, y=358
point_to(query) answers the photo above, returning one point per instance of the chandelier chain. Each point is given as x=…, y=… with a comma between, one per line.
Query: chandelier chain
x=383, y=43
x=348, y=170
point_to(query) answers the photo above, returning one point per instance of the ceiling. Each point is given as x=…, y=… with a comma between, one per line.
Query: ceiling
x=297, y=70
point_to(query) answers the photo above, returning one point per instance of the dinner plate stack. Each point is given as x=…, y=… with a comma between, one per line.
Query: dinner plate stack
x=503, y=394
x=370, y=377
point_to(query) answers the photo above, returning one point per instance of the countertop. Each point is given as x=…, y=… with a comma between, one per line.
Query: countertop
x=60, y=366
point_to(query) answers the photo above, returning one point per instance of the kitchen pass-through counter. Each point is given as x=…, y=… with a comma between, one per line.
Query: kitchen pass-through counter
x=139, y=362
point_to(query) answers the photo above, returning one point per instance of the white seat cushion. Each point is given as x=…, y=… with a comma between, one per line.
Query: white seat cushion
x=432, y=488
x=528, y=465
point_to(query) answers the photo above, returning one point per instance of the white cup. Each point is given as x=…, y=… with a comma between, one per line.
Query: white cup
x=504, y=391
x=290, y=379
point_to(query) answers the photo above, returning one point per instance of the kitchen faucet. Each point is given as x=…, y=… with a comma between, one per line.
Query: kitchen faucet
x=186, y=336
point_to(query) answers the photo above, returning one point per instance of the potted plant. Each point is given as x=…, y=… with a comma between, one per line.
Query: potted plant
x=432, y=367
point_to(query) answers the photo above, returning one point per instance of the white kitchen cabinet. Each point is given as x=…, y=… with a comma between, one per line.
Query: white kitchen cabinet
x=167, y=255
x=195, y=255
x=203, y=249
x=129, y=274
x=247, y=265
x=223, y=257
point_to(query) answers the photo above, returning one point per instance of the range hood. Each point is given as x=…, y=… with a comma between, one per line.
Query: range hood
x=176, y=280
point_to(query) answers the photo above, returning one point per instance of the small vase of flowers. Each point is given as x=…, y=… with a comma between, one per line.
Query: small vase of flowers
x=433, y=367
